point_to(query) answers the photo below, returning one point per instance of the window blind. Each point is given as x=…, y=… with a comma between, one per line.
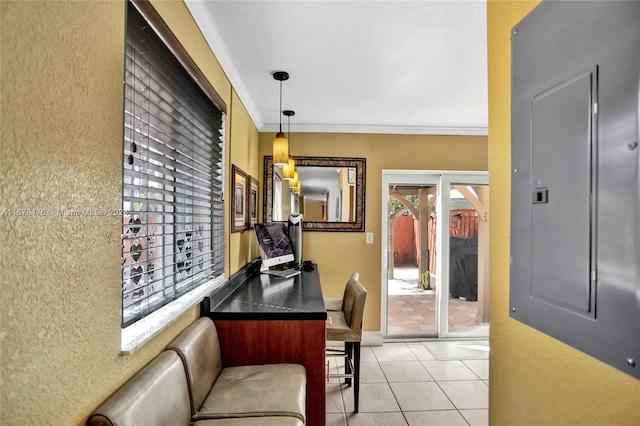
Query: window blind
x=173, y=152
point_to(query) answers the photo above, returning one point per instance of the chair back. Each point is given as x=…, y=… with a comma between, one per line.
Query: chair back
x=355, y=297
x=354, y=276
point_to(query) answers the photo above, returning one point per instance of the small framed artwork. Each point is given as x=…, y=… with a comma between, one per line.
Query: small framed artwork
x=253, y=202
x=239, y=210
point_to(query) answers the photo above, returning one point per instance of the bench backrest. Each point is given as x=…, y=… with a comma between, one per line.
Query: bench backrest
x=156, y=395
x=199, y=349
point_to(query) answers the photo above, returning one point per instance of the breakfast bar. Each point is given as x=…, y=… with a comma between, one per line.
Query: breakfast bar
x=262, y=319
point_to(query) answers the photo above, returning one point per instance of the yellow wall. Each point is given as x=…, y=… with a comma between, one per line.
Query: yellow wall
x=243, y=152
x=338, y=254
x=61, y=148
x=535, y=380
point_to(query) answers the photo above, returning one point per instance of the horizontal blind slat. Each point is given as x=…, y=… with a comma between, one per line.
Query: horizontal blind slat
x=157, y=124
x=166, y=121
x=167, y=172
x=150, y=184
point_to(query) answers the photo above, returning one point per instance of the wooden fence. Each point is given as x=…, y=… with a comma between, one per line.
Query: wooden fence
x=462, y=223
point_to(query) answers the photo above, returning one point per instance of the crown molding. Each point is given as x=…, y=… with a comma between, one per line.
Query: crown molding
x=374, y=129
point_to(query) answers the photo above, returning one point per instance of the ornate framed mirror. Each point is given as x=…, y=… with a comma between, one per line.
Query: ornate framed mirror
x=331, y=197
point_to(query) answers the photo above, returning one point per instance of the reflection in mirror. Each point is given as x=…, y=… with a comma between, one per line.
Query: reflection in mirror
x=327, y=194
x=331, y=194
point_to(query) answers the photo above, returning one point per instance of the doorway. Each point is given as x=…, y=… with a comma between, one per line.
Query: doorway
x=435, y=257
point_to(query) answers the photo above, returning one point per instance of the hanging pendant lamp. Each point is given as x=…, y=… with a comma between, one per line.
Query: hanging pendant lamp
x=294, y=182
x=280, y=143
x=289, y=168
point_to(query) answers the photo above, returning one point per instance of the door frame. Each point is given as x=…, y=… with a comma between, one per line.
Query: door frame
x=443, y=180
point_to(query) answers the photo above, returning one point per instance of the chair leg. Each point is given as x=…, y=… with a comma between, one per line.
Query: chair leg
x=348, y=350
x=356, y=375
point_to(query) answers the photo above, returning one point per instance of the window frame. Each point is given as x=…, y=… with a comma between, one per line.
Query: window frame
x=142, y=330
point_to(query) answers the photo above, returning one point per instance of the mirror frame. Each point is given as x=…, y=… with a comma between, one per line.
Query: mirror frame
x=358, y=163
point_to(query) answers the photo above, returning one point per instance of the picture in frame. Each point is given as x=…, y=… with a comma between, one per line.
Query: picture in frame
x=239, y=211
x=252, y=202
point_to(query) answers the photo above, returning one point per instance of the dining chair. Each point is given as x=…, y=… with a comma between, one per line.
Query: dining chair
x=345, y=325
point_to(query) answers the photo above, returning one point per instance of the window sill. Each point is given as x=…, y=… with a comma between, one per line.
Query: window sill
x=136, y=335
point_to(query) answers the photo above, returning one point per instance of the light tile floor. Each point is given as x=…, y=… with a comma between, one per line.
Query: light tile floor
x=420, y=383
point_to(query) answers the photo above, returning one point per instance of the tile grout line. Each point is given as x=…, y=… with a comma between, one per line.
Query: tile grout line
x=389, y=384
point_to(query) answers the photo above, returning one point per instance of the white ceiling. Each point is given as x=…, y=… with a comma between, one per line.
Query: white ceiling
x=397, y=67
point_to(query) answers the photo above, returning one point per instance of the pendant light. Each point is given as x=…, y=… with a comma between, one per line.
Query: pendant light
x=290, y=168
x=294, y=182
x=280, y=143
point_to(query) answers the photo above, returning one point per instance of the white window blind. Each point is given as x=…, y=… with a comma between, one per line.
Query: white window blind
x=173, y=214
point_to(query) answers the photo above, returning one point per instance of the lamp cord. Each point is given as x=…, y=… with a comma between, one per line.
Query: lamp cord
x=280, y=112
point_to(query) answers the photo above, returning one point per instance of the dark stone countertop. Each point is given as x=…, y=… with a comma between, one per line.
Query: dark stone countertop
x=253, y=296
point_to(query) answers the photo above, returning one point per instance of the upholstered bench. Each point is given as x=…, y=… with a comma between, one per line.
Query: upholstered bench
x=187, y=385
x=244, y=391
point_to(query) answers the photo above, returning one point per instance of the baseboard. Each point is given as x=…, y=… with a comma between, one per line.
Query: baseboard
x=372, y=338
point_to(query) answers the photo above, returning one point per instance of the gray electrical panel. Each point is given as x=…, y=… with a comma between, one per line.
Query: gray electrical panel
x=575, y=206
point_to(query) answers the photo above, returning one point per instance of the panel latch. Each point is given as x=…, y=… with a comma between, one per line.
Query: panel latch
x=541, y=196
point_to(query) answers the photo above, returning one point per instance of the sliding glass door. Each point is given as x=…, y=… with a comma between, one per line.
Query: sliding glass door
x=435, y=257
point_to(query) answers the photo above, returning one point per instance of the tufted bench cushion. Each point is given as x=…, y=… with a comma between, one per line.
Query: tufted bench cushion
x=273, y=390
x=251, y=421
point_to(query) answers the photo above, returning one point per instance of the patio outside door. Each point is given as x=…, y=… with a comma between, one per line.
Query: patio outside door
x=435, y=257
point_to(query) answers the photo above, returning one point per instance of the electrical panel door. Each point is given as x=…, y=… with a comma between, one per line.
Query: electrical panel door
x=575, y=234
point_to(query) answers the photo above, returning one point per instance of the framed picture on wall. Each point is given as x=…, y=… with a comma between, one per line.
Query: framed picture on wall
x=239, y=210
x=252, y=202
